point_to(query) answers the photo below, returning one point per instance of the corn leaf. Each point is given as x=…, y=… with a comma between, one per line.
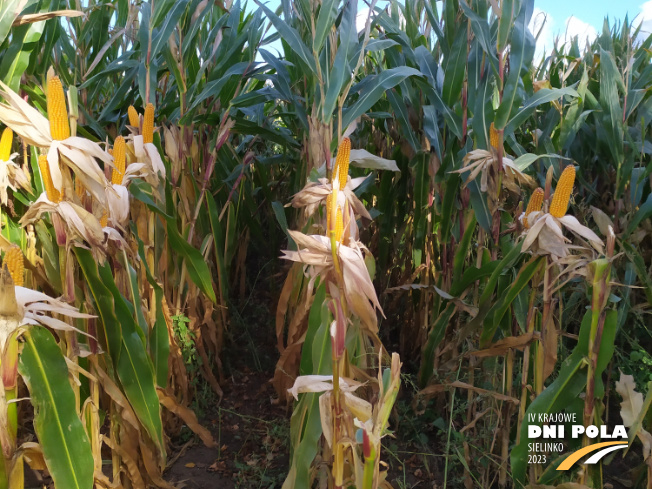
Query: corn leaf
x=61, y=434
x=197, y=267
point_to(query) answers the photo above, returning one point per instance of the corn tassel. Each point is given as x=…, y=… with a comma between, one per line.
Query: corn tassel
x=494, y=138
x=53, y=194
x=148, y=124
x=134, y=119
x=342, y=162
x=119, y=151
x=339, y=225
x=5, y=144
x=535, y=204
x=564, y=189
x=16, y=264
x=57, y=112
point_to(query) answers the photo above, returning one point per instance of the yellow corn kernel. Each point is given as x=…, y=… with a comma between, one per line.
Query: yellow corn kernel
x=339, y=225
x=148, y=124
x=564, y=189
x=342, y=162
x=104, y=220
x=57, y=112
x=119, y=151
x=5, y=144
x=494, y=138
x=16, y=264
x=329, y=206
x=536, y=201
x=134, y=120
x=53, y=194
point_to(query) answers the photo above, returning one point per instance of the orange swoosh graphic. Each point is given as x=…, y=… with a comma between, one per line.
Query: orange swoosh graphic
x=575, y=456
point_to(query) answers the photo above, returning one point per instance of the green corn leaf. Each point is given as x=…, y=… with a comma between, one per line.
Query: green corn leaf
x=171, y=20
x=435, y=336
x=195, y=264
x=341, y=72
x=374, y=90
x=8, y=12
x=131, y=362
x=325, y=20
x=541, y=97
x=454, y=67
x=520, y=56
x=508, y=10
x=501, y=306
x=292, y=37
x=482, y=33
x=643, y=212
x=219, y=241
x=15, y=59
x=158, y=337
x=463, y=248
x=60, y=432
x=305, y=425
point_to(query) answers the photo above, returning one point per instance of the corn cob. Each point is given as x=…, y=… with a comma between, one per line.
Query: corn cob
x=493, y=137
x=342, y=162
x=104, y=220
x=53, y=194
x=16, y=265
x=148, y=124
x=536, y=201
x=57, y=112
x=119, y=149
x=134, y=120
x=339, y=225
x=5, y=144
x=329, y=206
x=564, y=189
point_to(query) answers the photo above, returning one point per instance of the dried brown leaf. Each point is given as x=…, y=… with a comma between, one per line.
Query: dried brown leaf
x=503, y=346
x=437, y=388
x=31, y=18
x=188, y=416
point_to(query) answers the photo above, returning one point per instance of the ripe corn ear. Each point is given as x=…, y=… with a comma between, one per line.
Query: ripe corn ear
x=134, y=120
x=339, y=225
x=119, y=151
x=57, y=112
x=53, y=194
x=564, y=189
x=148, y=124
x=329, y=206
x=342, y=162
x=5, y=144
x=104, y=220
x=535, y=204
x=494, y=138
x=16, y=264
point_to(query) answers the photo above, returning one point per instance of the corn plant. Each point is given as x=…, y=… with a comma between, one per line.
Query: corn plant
x=336, y=263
